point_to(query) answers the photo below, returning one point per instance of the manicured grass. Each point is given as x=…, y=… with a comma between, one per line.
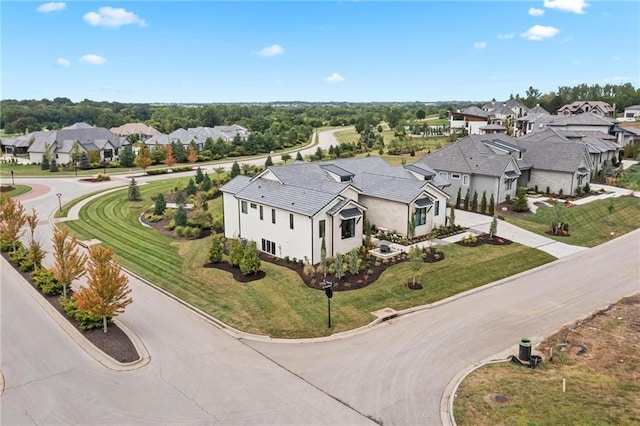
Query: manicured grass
x=589, y=223
x=19, y=190
x=280, y=305
x=631, y=178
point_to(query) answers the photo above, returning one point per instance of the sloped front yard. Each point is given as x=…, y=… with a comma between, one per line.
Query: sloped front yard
x=281, y=305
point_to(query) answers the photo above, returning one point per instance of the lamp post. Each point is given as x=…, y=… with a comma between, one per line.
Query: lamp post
x=328, y=290
x=59, y=195
x=13, y=182
x=104, y=165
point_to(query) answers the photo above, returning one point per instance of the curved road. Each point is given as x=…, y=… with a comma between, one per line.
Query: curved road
x=396, y=373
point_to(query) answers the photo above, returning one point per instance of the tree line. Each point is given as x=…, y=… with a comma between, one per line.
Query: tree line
x=282, y=121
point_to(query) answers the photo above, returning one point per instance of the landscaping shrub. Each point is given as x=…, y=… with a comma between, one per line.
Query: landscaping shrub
x=216, y=248
x=250, y=262
x=153, y=218
x=520, y=203
x=47, y=282
x=235, y=251
x=85, y=320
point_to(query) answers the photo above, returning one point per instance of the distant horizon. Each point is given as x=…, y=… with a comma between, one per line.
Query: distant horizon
x=214, y=52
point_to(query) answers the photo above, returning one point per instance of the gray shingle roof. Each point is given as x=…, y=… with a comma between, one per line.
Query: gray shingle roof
x=584, y=119
x=287, y=197
x=236, y=184
x=560, y=155
x=89, y=137
x=470, y=155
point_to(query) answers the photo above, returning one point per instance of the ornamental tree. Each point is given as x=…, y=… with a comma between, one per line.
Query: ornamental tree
x=68, y=261
x=107, y=291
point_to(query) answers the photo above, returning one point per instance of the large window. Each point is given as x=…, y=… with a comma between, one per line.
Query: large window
x=348, y=228
x=420, y=216
x=290, y=220
x=436, y=209
x=261, y=213
x=268, y=247
x=243, y=206
x=465, y=180
x=321, y=228
x=273, y=215
x=508, y=183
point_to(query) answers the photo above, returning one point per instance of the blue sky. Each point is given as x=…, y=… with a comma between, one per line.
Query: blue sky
x=358, y=51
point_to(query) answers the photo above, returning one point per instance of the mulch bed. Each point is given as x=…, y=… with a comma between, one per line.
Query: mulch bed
x=7, y=188
x=114, y=343
x=557, y=235
x=486, y=239
x=506, y=209
x=316, y=279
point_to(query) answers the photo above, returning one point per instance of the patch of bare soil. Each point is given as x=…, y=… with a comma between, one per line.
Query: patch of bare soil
x=606, y=342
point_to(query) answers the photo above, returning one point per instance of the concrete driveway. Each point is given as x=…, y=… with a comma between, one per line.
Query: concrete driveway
x=479, y=223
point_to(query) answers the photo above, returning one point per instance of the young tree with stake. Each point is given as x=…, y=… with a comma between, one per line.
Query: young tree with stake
x=107, y=293
x=68, y=261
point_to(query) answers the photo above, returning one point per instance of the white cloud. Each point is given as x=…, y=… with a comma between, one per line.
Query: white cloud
x=539, y=32
x=506, y=36
x=480, y=44
x=334, y=78
x=575, y=6
x=51, y=7
x=62, y=62
x=273, y=50
x=113, y=18
x=536, y=12
x=93, y=59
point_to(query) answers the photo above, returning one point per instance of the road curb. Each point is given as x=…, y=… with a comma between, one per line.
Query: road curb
x=82, y=341
x=1, y=383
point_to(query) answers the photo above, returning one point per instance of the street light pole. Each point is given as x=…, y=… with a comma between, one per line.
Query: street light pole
x=59, y=195
x=13, y=182
x=328, y=290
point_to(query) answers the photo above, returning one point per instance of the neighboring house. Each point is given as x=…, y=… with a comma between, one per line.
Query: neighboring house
x=601, y=147
x=287, y=210
x=627, y=135
x=490, y=129
x=143, y=131
x=199, y=135
x=557, y=165
x=59, y=143
x=595, y=107
x=632, y=113
x=585, y=122
x=532, y=122
x=478, y=163
x=15, y=146
x=468, y=120
x=517, y=109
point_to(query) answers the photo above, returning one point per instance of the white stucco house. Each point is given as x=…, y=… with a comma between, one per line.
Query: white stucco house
x=631, y=113
x=470, y=120
x=288, y=210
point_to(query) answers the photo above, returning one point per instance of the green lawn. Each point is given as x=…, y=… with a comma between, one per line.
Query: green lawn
x=19, y=190
x=280, y=305
x=631, y=178
x=589, y=224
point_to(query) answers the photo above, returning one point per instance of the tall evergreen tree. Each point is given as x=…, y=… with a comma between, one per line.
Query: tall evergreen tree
x=216, y=248
x=466, y=200
x=53, y=166
x=180, y=217
x=235, y=170
x=492, y=204
x=127, y=157
x=199, y=175
x=474, y=201
x=483, y=203
x=268, y=162
x=250, y=262
x=458, y=198
x=299, y=156
x=159, y=204
x=206, y=183
x=134, y=192
x=191, y=187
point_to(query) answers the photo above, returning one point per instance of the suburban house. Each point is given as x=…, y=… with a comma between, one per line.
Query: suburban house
x=60, y=143
x=143, y=131
x=579, y=107
x=632, y=112
x=288, y=210
x=627, y=135
x=500, y=108
x=199, y=135
x=478, y=163
x=532, y=122
x=468, y=120
x=557, y=165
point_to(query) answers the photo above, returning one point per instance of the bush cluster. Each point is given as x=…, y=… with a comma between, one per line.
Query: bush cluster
x=85, y=320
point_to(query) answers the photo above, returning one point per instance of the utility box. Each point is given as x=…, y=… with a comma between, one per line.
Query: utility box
x=525, y=349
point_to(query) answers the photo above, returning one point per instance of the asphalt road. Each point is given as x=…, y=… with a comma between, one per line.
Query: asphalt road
x=396, y=373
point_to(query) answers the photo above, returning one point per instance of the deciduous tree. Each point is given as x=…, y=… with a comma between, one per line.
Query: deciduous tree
x=192, y=156
x=416, y=261
x=12, y=220
x=143, y=159
x=285, y=157
x=169, y=159
x=107, y=291
x=68, y=261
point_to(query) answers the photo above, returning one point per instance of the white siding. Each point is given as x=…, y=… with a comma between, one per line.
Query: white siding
x=230, y=208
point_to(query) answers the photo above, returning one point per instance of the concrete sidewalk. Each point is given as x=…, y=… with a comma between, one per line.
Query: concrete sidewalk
x=478, y=223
